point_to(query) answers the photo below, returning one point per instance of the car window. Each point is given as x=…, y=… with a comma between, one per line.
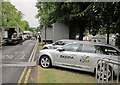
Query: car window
x=88, y=48
x=59, y=43
x=107, y=50
x=71, y=47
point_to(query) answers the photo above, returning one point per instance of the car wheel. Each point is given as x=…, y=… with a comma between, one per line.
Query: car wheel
x=45, y=62
x=104, y=73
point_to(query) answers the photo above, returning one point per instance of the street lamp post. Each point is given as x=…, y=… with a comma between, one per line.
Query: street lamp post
x=45, y=33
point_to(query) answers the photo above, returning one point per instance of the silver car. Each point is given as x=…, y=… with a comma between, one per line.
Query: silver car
x=79, y=55
x=58, y=43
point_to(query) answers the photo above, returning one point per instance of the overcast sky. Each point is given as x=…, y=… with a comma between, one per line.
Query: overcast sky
x=27, y=7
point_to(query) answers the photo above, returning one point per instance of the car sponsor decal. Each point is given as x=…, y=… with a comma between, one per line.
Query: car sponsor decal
x=66, y=57
x=85, y=59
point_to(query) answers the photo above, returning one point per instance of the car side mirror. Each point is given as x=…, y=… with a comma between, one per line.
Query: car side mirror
x=53, y=44
x=60, y=49
x=63, y=44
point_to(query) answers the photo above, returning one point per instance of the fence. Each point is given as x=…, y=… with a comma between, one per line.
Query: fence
x=108, y=71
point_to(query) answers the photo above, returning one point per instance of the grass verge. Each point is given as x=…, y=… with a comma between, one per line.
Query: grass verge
x=62, y=75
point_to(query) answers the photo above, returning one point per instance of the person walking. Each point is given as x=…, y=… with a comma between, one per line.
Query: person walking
x=39, y=38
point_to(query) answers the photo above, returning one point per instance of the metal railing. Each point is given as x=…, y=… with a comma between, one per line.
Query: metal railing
x=108, y=71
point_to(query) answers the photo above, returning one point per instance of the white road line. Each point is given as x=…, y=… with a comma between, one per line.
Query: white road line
x=7, y=57
x=23, y=52
x=11, y=56
x=7, y=50
x=23, y=57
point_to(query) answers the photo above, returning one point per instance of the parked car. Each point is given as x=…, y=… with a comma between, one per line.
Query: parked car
x=58, y=43
x=79, y=55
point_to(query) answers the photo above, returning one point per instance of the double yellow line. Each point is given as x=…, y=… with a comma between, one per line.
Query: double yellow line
x=31, y=59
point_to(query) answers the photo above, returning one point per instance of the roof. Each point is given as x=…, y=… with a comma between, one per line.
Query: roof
x=94, y=43
x=68, y=40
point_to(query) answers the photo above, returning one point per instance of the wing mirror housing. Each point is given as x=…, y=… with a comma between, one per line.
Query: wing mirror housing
x=60, y=49
x=53, y=44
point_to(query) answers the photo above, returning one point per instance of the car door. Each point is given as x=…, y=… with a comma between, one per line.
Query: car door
x=67, y=57
x=87, y=57
x=90, y=54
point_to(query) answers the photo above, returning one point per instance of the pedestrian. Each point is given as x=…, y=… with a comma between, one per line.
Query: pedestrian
x=39, y=38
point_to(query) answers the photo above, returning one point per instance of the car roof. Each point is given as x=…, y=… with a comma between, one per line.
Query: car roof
x=94, y=43
x=68, y=40
x=90, y=43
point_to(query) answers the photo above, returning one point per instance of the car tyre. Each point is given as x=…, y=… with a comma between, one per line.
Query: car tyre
x=45, y=62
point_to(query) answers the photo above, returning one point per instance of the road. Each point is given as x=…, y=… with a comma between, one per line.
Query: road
x=12, y=56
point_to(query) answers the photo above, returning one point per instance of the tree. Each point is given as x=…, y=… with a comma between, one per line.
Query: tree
x=82, y=16
x=71, y=14
x=0, y=12
x=12, y=17
x=106, y=15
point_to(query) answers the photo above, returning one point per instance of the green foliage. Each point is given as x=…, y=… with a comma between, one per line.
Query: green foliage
x=96, y=17
x=0, y=12
x=71, y=14
x=12, y=17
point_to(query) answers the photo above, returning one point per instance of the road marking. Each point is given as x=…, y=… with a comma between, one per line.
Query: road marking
x=23, y=52
x=7, y=50
x=27, y=76
x=28, y=73
x=7, y=57
x=11, y=57
x=21, y=77
x=29, y=70
x=23, y=73
x=23, y=57
x=20, y=64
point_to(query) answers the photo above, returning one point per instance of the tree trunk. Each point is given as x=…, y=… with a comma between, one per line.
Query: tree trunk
x=72, y=32
x=81, y=30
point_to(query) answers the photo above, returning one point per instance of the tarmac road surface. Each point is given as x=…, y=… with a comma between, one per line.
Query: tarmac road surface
x=13, y=58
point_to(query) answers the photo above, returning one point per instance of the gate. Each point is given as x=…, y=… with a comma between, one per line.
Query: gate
x=108, y=71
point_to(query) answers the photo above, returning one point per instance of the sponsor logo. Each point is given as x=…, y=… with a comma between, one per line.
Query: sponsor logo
x=85, y=59
x=66, y=57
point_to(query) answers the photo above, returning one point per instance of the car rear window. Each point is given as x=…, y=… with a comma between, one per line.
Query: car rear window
x=107, y=50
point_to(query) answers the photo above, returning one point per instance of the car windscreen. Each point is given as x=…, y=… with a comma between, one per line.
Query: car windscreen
x=69, y=41
x=71, y=47
x=107, y=50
